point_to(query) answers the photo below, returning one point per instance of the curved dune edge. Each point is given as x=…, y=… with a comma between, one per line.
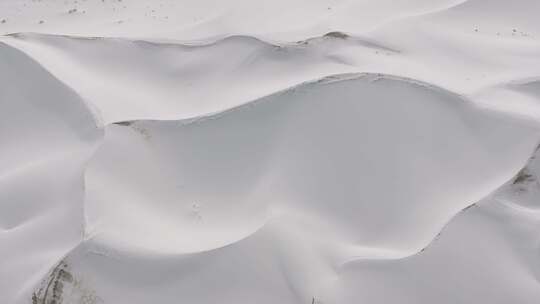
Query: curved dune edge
x=324, y=81
x=176, y=97
x=84, y=262
x=48, y=134
x=496, y=225
x=171, y=85
x=202, y=43
x=88, y=253
x=526, y=176
x=144, y=130
x=371, y=77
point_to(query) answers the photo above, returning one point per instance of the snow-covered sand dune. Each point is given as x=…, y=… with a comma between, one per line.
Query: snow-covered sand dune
x=489, y=252
x=305, y=151
x=330, y=151
x=182, y=80
x=47, y=135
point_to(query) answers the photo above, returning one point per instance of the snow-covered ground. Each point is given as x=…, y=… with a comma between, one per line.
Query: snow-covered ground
x=300, y=151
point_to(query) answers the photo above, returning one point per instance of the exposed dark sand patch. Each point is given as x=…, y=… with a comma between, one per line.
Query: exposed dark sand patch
x=339, y=35
x=62, y=287
x=124, y=123
x=139, y=129
x=524, y=176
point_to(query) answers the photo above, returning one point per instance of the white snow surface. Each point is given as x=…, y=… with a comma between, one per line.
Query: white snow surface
x=301, y=151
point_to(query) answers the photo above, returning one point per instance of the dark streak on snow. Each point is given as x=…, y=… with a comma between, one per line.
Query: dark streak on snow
x=60, y=285
x=124, y=123
x=51, y=292
x=523, y=177
x=339, y=35
x=136, y=127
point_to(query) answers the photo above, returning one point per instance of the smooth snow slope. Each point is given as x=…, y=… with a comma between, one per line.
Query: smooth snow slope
x=488, y=252
x=203, y=184
x=328, y=151
x=47, y=135
x=179, y=80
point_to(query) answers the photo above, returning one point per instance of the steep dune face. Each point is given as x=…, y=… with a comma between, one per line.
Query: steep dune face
x=47, y=135
x=304, y=151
